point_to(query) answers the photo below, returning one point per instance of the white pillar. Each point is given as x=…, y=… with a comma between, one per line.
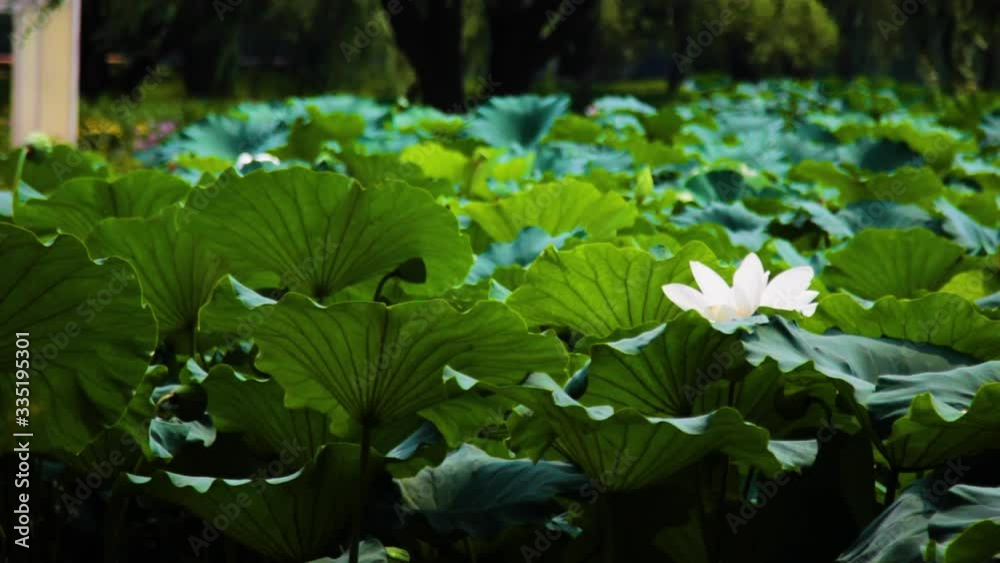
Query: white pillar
x=45, y=88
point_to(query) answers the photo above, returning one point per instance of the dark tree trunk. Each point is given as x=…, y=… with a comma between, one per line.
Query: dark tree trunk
x=94, y=72
x=518, y=49
x=579, y=58
x=740, y=66
x=844, y=14
x=679, y=15
x=514, y=45
x=991, y=65
x=430, y=36
x=210, y=55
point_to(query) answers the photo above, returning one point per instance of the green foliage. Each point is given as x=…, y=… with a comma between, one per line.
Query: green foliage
x=349, y=330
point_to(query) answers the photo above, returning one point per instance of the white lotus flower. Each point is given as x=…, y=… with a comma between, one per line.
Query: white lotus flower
x=718, y=302
x=247, y=158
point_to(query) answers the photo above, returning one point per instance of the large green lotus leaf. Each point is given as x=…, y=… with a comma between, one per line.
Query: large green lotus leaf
x=91, y=338
x=714, y=236
x=44, y=169
x=290, y=518
x=902, y=263
x=966, y=231
x=940, y=319
x=232, y=311
x=268, y=111
x=879, y=155
x=598, y=288
x=980, y=168
x=824, y=173
x=861, y=215
x=220, y=136
x=574, y=128
x=924, y=135
x=556, y=208
x=743, y=226
x=650, y=153
x=11, y=166
x=382, y=363
x=977, y=281
x=915, y=371
x=494, y=171
x=255, y=408
x=79, y=204
x=663, y=370
x=522, y=251
x=426, y=119
x=471, y=418
x=898, y=534
x=176, y=269
x=308, y=136
x=966, y=527
x=760, y=143
x=932, y=522
x=935, y=417
x=437, y=161
x=608, y=105
x=562, y=158
x=320, y=232
x=664, y=125
x=687, y=367
x=718, y=186
x=516, y=121
x=234, y=316
x=857, y=360
x=372, y=111
x=375, y=170
x=629, y=451
x=482, y=495
x=905, y=185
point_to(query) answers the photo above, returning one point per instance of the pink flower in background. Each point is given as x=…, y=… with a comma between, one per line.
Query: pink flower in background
x=150, y=134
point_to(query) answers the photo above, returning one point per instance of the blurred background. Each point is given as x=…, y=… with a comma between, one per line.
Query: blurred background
x=440, y=52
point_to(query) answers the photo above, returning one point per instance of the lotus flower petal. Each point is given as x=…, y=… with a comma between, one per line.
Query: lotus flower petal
x=714, y=288
x=685, y=297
